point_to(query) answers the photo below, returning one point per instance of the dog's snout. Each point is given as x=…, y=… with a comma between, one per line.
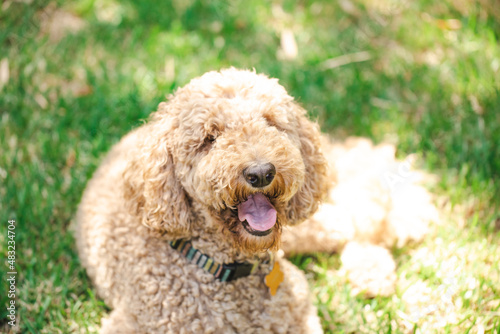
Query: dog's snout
x=260, y=175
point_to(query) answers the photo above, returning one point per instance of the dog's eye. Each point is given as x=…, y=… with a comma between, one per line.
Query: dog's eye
x=210, y=139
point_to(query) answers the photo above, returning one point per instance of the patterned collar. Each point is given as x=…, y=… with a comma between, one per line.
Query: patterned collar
x=222, y=271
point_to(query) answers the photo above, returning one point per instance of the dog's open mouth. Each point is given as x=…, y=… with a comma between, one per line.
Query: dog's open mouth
x=257, y=214
x=250, y=230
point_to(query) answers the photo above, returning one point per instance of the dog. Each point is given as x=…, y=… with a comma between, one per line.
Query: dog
x=180, y=226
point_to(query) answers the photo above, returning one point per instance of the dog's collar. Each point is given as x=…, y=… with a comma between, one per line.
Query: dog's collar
x=222, y=271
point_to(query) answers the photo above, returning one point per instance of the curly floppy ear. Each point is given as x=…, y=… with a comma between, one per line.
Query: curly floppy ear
x=307, y=199
x=152, y=191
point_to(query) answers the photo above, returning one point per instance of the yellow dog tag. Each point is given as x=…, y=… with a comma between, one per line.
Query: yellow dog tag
x=274, y=278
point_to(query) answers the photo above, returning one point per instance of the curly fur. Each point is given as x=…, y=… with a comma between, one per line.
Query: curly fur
x=180, y=176
x=365, y=214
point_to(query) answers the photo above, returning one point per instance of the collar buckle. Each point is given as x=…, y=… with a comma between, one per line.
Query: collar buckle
x=237, y=270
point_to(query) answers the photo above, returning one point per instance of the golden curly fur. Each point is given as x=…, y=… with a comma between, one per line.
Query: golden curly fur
x=180, y=176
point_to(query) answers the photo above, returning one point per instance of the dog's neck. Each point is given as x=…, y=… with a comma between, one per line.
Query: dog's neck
x=220, y=246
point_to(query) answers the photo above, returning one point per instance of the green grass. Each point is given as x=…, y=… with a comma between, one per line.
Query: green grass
x=427, y=88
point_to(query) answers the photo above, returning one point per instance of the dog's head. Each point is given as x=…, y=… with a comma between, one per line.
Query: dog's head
x=234, y=148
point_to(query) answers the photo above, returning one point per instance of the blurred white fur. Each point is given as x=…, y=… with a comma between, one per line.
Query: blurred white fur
x=376, y=202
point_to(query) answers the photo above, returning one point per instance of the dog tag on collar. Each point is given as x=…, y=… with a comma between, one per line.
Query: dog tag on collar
x=274, y=278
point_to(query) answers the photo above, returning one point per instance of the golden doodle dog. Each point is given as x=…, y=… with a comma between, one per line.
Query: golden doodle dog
x=180, y=227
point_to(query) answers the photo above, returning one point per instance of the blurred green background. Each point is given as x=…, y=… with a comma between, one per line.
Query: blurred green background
x=423, y=75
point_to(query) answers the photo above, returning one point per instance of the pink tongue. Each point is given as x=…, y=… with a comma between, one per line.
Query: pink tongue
x=258, y=212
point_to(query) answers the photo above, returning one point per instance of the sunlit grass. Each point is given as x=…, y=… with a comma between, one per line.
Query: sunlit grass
x=429, y=85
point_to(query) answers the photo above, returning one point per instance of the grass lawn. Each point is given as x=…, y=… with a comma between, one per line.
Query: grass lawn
x=424, y=75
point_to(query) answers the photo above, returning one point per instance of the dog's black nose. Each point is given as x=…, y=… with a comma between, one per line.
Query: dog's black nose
x=260, y=175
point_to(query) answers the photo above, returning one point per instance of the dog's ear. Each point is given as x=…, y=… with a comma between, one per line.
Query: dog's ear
x=152, y=191
x=307, y=199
